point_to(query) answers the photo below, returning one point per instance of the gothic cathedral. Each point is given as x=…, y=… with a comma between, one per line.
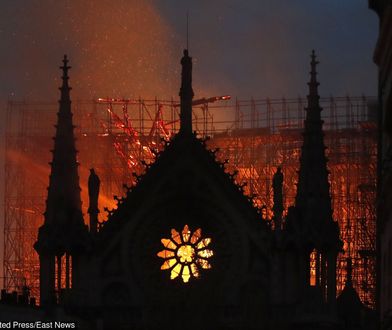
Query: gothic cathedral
x=185, y=248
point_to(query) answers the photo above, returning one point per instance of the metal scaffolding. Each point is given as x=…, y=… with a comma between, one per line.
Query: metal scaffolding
x=119, y=137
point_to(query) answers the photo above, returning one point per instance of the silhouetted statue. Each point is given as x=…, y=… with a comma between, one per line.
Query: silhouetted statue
x=93, y=194
x=349, y=272
x=277, y=185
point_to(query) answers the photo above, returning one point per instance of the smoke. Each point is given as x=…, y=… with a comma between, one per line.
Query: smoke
x=34, y=172
x=125, y=48
x=116, y=48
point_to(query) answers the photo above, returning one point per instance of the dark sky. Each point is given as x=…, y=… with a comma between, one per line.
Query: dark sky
x=131, y=48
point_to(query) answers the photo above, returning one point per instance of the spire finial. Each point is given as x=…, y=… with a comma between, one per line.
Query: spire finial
x=313, y=64
x=187, y=30
x=313, y=109
x=186, y=94
x=65, y=68
x=65, y=87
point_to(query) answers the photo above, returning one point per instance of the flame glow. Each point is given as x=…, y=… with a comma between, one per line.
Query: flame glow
x=185, y=254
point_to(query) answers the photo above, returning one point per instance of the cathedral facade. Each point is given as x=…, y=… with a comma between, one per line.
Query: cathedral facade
x=185, y=248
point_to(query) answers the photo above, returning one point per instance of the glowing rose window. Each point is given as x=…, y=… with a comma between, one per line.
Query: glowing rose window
x=185, y=254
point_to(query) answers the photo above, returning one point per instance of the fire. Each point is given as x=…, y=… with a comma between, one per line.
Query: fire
x=185, y=254
x=253, y=153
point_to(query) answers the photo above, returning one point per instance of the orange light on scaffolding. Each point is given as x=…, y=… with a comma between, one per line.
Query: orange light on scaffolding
x=253, y=145
x=207, y=100
x=224, y=98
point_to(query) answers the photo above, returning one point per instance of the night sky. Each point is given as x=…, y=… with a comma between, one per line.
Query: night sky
x=124, y=48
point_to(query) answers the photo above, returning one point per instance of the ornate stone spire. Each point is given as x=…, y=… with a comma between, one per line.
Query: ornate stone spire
x=63, y=233
x=186, y=94
x=64, y=205
x=319, y=233
x=313, y=198
x=63, y=229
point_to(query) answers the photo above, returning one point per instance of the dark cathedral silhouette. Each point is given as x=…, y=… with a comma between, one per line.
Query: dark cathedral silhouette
x=185, y=248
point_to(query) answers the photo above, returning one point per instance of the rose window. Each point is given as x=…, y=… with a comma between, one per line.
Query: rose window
x=185, y=254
